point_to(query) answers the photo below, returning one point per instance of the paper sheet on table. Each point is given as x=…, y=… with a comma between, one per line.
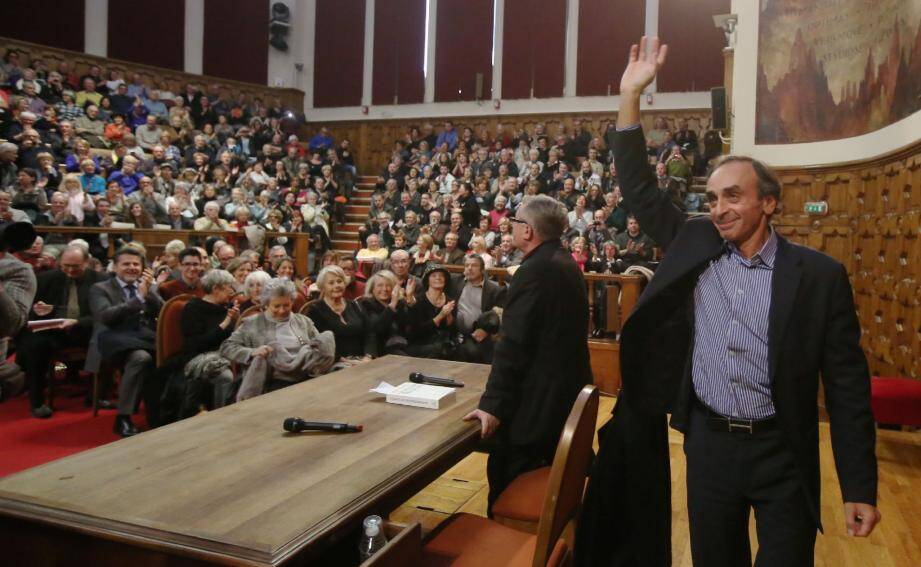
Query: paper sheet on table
x=383, y=388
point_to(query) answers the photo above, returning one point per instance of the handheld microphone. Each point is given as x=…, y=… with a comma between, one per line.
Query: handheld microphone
x=297, y=425
x=420, y=378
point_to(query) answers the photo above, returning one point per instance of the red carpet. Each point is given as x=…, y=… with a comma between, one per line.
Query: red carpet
x=26, y=441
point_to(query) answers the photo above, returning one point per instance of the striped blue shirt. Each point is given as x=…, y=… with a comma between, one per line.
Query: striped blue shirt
x=732, y=302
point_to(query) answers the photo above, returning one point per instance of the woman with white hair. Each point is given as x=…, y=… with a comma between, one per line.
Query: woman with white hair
x=385, y=310
x=252, y=288
x=78, y=202
x=279, y=348
x=315, y=214
x=355, y=340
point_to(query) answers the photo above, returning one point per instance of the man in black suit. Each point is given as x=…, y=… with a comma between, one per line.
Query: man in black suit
x=730, y=337
x=61, y=294
x=124, y=310
x=541, y=359
x=101, y=217
x=476, y=296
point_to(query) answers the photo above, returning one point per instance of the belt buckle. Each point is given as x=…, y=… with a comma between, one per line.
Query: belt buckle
x=740, y=424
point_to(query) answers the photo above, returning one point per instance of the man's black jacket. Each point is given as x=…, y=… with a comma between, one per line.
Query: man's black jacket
x=541, y=359
x=53, y=288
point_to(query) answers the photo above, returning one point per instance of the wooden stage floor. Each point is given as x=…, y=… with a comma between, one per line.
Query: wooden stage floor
x=893, y=544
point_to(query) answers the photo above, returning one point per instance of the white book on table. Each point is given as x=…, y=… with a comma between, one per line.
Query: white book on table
x=417, y=395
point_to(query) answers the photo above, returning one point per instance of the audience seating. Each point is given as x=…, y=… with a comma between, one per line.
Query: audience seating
x=171, y=79
x=520, y=504
x=468, y=540
x=169, y=327
x=249, y=312
x=66, y=356
x=306, y=306
x=896, y=401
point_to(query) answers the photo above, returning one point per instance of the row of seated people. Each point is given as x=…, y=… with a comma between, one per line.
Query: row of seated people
x=300, y=329
x=451, y=243
x=62, y=95
x=194, y=161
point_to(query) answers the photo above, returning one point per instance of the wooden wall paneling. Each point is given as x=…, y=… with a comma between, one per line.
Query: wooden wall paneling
x=873, y=229
x=604, y=357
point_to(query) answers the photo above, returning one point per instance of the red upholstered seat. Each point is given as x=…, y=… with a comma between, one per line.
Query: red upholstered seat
x=493, y=544
x=896, y=401
x=524, y=497
x=169, y=327
x=465, y=540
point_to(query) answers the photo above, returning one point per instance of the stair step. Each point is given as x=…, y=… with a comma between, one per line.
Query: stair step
x=356, y=217
x=357, y=209
x=345, y=244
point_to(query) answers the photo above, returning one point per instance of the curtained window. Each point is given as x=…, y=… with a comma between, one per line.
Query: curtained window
x=161, y=43
x=399, y=50
x=533, y=48
x=61, y=24
x=463, y=49
x=236, y=40
x=695, y=45
x=339, y=53
x=606, y=30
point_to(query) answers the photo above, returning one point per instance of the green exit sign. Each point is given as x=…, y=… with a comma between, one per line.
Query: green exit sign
x=816, y=208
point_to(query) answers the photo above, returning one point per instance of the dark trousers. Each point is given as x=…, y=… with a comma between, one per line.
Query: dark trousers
x=472, y=351
x=34, y=352
x=729, y=474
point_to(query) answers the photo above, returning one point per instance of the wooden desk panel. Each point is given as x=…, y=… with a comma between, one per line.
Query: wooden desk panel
x=231, y=486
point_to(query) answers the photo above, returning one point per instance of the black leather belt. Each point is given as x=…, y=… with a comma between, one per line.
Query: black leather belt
x=719, y=422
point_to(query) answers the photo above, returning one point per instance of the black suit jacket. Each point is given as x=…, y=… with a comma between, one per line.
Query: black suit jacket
x=813, y=331
x=53, y=289
x=184, y=223
x=541, y=359
x=96, y=247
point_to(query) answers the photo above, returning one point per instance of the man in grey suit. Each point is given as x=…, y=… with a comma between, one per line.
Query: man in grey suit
x=17, y=289
x=124, y=311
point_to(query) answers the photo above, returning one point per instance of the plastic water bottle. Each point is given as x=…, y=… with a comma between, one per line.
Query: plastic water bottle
x=373, y=538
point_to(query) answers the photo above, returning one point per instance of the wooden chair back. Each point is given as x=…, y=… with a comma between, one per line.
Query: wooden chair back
x=169, y=327
x=567, y=474
x=249, y=312
x=306, y=306
x=403, y=549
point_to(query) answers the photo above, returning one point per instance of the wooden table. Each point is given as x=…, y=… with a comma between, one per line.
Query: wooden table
x=231, y=487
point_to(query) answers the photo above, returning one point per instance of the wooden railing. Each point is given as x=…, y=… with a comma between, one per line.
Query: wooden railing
x=623, y=293
x=155, y=239
x=174, y=80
